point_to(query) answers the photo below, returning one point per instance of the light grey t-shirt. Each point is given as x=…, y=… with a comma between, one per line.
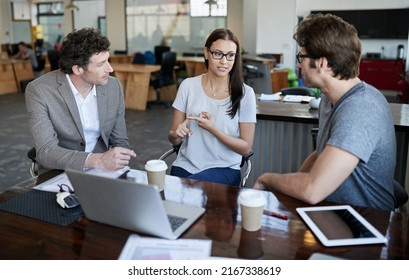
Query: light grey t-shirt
x=202, y=150
x=361, y=123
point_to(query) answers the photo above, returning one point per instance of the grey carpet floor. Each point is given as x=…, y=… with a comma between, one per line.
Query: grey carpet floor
x=147, y=132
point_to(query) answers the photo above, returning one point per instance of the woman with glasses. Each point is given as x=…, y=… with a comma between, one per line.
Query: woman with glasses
x=214, y=116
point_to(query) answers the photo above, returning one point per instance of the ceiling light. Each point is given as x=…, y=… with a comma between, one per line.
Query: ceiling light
x=72, y=7
x=211, y=2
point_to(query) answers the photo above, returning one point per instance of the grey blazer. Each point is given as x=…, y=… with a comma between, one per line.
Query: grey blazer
x=55, y=122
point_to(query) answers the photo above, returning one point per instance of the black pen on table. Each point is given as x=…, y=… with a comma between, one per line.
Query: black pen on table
x=275, y=215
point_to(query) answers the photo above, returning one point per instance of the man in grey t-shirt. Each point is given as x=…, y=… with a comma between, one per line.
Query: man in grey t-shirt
x=356, y=149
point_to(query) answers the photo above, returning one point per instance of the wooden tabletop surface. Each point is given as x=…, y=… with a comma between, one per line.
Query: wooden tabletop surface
x=26, y=238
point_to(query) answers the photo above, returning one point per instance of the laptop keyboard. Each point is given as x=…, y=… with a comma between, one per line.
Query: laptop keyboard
x=175, y=221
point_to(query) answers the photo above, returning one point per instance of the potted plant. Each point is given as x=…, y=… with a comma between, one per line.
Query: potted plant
x=315, y=102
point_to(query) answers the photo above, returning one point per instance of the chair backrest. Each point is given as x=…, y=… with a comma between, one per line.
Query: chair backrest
x=246, y=167
x=40, y=61
x=401, y=196
x=54, y=59
x=167, y=74
x=31, y=154
x=158, y=53
x=188, y=54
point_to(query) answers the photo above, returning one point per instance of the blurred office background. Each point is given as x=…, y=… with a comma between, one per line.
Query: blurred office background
x=263, y=26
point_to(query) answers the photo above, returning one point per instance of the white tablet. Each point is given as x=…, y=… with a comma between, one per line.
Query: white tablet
x=340, y=225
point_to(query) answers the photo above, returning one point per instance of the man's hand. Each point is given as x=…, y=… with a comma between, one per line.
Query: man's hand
x=259, y=184
x=113, y=159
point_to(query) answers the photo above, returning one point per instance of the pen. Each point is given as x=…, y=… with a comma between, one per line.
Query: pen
x=276, y=215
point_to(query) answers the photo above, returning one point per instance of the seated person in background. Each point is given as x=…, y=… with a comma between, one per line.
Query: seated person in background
x=77, y=114
x=214, y=116
x=354, y=162
x=25, y=52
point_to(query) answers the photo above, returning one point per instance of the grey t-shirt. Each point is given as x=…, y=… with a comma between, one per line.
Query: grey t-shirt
x=361, y=123
x=202, y=150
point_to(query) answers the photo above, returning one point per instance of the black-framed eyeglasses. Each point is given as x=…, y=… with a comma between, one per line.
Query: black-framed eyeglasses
x=300, y=57
x=218, y=55
x=67, y=188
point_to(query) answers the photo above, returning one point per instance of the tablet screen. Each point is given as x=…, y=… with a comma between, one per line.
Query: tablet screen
x=340, y=225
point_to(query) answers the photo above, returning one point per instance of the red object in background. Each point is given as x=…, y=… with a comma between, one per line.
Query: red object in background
x=403, y=88
x=384, y=74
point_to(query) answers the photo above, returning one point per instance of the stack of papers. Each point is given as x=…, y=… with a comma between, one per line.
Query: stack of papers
x=146, y=248
x=297, y=98
x=270, y=97
x=52, y=185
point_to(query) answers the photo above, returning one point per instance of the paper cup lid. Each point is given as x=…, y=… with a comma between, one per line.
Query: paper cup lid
x=252, y=198
x=156, y=165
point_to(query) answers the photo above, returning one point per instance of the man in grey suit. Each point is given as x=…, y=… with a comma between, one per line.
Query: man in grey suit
x=77, y=113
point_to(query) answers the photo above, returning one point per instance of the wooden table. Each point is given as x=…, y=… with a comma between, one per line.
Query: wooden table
x=195, y=65
x=12, y=72
x=120, y=58
x=255, y=58
x=25, y=238
x=23, y=70
x=8, y=82
x=135, y=79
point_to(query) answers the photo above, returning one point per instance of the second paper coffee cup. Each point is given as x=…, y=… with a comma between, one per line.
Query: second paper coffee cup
x=156, y=171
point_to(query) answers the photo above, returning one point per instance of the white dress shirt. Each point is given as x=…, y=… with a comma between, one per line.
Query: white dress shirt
x=88, y=109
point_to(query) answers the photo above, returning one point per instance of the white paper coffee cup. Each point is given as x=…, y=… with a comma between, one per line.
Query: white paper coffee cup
x=156, y=171
x=252, y=204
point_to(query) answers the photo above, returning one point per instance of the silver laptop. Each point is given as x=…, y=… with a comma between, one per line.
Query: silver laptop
x=130, y=205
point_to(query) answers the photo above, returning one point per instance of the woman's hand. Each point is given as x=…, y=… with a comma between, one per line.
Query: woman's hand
x=183, y=130
x=205, y=121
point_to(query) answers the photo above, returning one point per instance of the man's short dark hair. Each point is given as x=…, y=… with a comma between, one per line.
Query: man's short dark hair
x=78, y=47
x=331, y=37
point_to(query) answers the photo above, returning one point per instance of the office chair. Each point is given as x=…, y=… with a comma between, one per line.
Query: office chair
x=401, y=196
x=245, y=165
x=188, y=54
x=54, y=59
x=166, y=76
x=31, y=154
x=159, y=50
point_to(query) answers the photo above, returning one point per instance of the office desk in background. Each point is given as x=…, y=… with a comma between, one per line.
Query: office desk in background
x=25, y=238
x=23, y=71
x=12, y=72
x=120, y=58
x=8, y=82
x=135, y=79
x=283, y=138
x=195, y=65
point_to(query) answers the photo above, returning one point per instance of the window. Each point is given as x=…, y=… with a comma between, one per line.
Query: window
x=50, y=16
x=169, y=23
x=209, y=8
